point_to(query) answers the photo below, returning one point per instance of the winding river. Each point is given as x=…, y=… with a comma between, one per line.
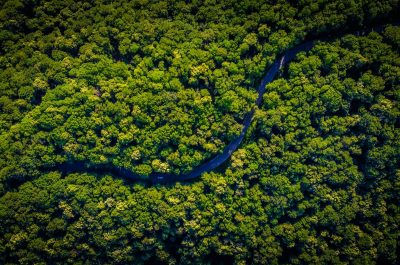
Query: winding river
x=161, y=178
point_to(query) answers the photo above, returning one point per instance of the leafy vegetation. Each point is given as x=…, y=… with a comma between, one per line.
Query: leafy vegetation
x=164, y=86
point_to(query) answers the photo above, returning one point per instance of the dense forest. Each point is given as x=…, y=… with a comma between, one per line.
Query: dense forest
x=162, y=87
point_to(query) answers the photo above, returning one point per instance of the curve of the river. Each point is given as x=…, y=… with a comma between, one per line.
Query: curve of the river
x=215, y=162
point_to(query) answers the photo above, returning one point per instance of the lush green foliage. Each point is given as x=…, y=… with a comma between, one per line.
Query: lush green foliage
x=127, y=85
x=164, y=86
